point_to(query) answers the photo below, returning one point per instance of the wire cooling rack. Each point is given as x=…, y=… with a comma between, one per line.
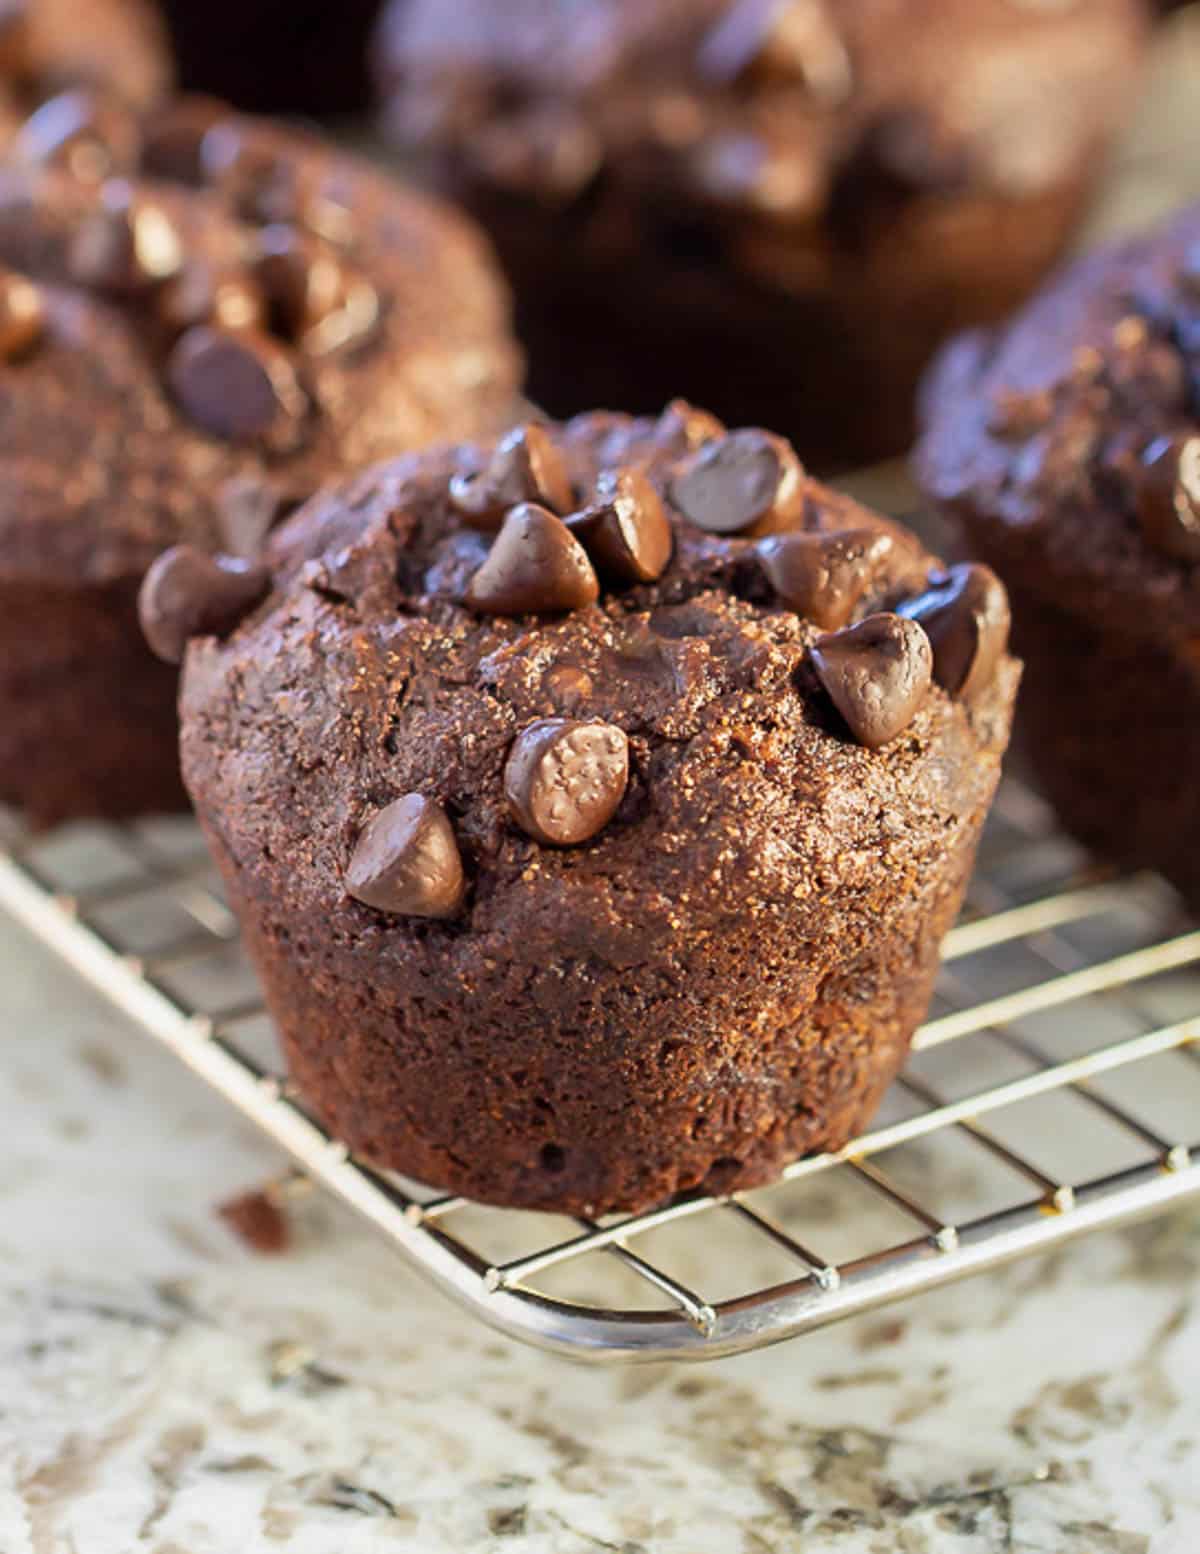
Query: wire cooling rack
x=1054, y=1090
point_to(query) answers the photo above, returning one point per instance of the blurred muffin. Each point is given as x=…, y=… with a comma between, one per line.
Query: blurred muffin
x=1067, y=448
x=784, y=204
x=202, y=318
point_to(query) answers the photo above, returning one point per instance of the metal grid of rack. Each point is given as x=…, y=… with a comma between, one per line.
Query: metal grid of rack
x=1055, y=1089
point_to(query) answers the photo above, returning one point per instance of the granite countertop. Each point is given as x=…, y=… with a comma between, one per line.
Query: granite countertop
x=165, y=1390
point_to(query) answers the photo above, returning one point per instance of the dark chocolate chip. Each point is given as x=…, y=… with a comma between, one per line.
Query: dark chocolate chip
x=189, y=594
x=626, y=530
x=966, y=617
x=239, y=386
x=564, y=781
x=527, y=466
x=22, y=316
x=201, y=295
x=779, y=41
x=535, y=566
x=878, y=675
x=250, y=507
x=87, y=135
x=407, y=861
x=315, y=300
x=747, y=481
x=825, y=576
x=127, y=245
x=682, y=428
x=1168, y=497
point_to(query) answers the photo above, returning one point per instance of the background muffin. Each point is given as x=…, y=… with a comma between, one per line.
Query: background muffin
x=1066, y=448
x=203, y=318
x=784, y=207
x=594, y=808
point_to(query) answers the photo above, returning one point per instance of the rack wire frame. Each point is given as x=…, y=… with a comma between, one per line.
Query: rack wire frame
x=1051, y=927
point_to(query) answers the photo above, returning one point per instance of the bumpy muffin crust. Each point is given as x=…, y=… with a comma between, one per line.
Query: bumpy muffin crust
x=1066, y=446
x=725, y=975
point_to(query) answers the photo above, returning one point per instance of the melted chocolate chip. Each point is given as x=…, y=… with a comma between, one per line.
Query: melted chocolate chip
x=239, y=386
x=682, y=428
x=746, y=482
x=22, y=316
x=535, y=566
x=527, y=466
x=128, y=245
x=1168, y=497
x=878, y=675
x=966, y=617
x=825, y=576
x=81, y=133
x=626, y=530
x=407, y=861
x=564, y=781
x=189, y=594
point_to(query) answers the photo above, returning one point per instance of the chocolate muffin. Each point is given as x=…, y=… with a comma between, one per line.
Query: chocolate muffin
x=202, y=318
x=111, y=47
x=594, y=806
x=1066, y=447
x=275, y=56
x=784, y=205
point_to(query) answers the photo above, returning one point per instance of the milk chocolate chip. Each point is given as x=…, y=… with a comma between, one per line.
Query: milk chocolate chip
x=626, y=530
x=966, y=617
x=128, y=245
x=878, y=674
x=564, y=781
x=1168, y=497
x=407, y=861
x=188, y=594
x=526, y=466
x=22, y=316
x=536, y=565
x=746, y=481
x=824, y=576
x=238, y=385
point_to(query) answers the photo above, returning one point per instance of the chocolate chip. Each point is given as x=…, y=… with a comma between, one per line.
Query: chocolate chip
x=626, y=530
x=966, y=617
x=250, y=507
x=202, y=295
x=1168, y=497
x=22, y=316
x=779, y=42
x=127, y=245
x=81, y=133
x=824, y=576
x=407, y=861
x=747, y=481
x=262, y=186
x=535, y=566
x=877, y=673
x=527, y=466
x=239, y=386
x=189, y=594
x=682, y=428
x=314, y=299
x=564, y=781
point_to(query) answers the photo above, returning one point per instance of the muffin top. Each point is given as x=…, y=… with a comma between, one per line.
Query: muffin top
x=48, y=46
x=782, y=111
x=1070, y=436
x=474, y=681
x=203, y=317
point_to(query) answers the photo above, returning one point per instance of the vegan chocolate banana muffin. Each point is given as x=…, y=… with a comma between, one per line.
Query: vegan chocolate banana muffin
x=785, y=204
x=114, y=48
x=594, y=805
x=202, y=318
x=1067, y=448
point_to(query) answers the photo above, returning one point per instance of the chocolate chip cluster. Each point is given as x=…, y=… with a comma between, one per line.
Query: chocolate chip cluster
x=234, y=335
x=564, y=780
